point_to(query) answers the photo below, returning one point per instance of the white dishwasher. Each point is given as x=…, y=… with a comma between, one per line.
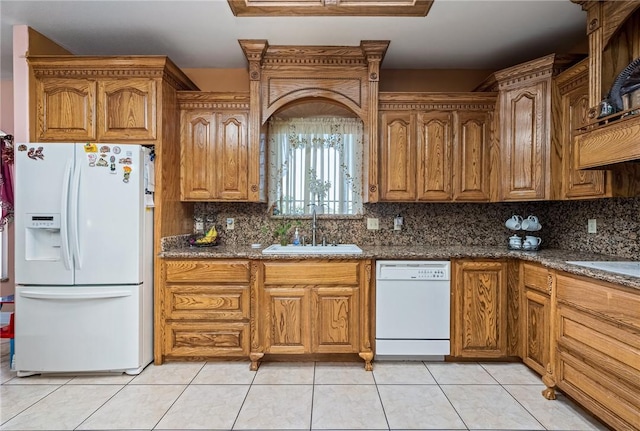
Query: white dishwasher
x=412, y=309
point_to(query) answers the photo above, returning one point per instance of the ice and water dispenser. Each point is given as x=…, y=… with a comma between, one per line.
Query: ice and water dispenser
x=43, y=239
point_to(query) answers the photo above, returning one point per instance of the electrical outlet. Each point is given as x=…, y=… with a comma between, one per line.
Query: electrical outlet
x=373, y=224
x=199, y=226
x=231, y=223
x=591, y=226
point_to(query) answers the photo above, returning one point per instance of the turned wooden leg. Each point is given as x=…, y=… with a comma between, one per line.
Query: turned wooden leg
x=550, y=392
x=368, y=357
x=255, y=360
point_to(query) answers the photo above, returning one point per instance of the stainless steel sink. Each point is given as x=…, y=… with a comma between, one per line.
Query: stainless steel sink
x=617, y=267
x=313, y=249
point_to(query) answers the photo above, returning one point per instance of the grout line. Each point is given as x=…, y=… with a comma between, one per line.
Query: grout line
x=384, y=412
x=313, y=393
x=102, y=405
x=525, y=409
x=244, y=400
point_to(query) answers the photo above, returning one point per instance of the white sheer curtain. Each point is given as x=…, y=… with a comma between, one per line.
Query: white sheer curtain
x=315, y=161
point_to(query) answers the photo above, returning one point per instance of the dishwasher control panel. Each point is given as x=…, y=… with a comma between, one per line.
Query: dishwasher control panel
x=411, y=270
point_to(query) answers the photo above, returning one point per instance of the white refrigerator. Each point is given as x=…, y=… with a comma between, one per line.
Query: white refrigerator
x=83, y=258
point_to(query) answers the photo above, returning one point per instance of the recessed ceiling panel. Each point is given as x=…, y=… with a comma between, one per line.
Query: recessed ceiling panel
x=330, y=7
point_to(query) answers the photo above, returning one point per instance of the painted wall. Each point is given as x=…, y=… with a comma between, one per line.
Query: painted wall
x=440, y=80
x=15, y=109
x=6, y=125
x=219, y=79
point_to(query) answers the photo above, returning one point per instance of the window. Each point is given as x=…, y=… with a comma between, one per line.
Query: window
x=315, y=163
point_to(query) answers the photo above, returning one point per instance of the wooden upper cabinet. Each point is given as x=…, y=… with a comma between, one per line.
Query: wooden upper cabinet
x=573, y=111
x=216, y=159
x=398, y=157
x=197, y=138
x=436, y=148
x=435, y=139
x=524, y=143
x=471, y=161
x=479, y=320
x=102, y=99
x=527, y=153
x=65, y=109
x=231, y=159
x=127, y=110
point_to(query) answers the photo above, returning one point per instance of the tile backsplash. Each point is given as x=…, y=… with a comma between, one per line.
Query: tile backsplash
x=564, y=224
x=617, y=220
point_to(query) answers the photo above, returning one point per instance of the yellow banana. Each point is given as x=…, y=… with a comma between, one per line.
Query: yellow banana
x=210, y=237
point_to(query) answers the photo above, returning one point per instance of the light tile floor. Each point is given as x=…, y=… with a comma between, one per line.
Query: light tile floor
x=292, y=396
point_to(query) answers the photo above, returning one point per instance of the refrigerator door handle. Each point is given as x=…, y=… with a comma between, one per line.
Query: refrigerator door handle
x=79, y=295
x=75, y=227
x=64, y=210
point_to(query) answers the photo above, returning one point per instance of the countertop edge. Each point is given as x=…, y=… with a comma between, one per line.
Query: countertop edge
x=551, y=258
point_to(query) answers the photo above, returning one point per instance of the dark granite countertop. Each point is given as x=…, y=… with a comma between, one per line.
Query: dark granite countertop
x=551, y=258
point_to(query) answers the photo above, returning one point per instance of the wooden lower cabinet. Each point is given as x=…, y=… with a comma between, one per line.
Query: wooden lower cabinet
x=479, y=309
x=598, y=348
x=202, y=310
x=312, y=307
x=536, y=324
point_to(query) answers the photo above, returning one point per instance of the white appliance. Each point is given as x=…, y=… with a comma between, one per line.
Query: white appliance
x=83, y=258
x=412, y=309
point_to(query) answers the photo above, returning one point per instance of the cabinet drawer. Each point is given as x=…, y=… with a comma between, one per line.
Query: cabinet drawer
x=536, y=277
x=613, y=401
x=315, y=273
x=600, y=298
x=606, y=345
x=202, y=339
x=193, y=302
x=207, y=271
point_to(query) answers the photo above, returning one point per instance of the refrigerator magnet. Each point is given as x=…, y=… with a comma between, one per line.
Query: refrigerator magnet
x=22, y=147
x=112, y=168
x=35, y=154
x=92, y=160
x=104, y=149
x=90, y=148
x=127, y=174
x=102, y=163
x=116, y=150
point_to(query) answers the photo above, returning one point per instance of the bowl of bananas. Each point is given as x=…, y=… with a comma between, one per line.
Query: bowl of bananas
x=210, y=239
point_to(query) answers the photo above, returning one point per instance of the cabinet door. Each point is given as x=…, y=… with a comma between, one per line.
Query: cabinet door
x=197, y=145
x=286, y=320
x=524, y=142
x=127, y=110
x=578, y=183
x=434, y=156
x=536, y=330
x=471, y=159
x=66, y=110
x=230, y=162
x=335, y=319
x=397, y=157
x=479, y=307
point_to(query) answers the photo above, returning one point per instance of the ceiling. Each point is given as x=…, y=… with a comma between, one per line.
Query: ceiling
x=456, y=34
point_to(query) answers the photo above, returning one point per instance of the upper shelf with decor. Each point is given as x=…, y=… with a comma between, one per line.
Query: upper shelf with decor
x=612, y=133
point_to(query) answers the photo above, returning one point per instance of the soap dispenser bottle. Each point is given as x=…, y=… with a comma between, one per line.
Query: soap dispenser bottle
x=296, y=237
